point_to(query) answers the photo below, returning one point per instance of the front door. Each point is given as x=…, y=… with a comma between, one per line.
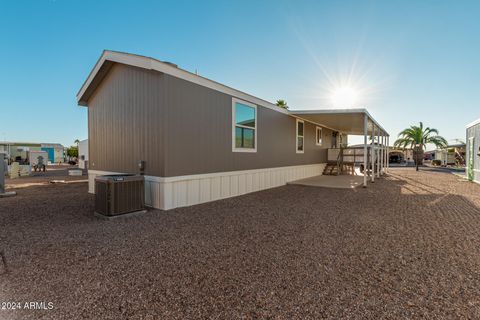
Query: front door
x=334, y=139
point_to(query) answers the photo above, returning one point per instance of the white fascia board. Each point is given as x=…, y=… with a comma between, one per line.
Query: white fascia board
x=471, y=124
x=329, y=111
x=90, y=77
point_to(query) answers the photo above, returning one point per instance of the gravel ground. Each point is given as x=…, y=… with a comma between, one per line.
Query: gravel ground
x=406, y=247
x=53, y=172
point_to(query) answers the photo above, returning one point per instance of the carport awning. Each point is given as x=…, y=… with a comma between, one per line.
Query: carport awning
x=349, y=121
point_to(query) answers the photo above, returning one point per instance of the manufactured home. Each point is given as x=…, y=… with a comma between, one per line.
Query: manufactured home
x=473, y=151
x=452, y=154
x=196, y=140
x=18, y=151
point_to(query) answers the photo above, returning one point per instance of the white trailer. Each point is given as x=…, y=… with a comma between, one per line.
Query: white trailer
x=83, y=154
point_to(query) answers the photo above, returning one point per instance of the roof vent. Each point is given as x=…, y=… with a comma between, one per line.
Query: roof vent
x=171, y=64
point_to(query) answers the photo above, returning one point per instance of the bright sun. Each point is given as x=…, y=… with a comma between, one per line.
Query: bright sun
x=344, y=97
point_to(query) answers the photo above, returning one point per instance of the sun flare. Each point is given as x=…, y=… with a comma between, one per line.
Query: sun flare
x=344, y=97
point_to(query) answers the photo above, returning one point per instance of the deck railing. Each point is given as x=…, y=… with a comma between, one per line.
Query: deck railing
x=350, y=155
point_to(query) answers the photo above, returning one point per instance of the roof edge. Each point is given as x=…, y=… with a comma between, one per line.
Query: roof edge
x=471, y=124
x=163, y=67
x=149, y=63
x=345, y=111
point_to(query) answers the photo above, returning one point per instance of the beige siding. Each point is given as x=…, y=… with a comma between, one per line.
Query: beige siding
x=181, y=128
x=199, y=130
x=125, y=121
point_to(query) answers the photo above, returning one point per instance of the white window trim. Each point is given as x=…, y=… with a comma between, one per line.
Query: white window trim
x=254, y=106
x=317, y=129
x=297, y=136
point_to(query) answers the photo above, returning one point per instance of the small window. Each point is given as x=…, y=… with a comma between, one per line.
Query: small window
x=244, y=116
x=300, y=136
x=318, y=136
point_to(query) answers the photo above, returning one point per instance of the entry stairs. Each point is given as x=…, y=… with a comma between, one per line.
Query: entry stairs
x=339, y=166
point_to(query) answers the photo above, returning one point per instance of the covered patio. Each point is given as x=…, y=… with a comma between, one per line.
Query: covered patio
x=372, y=156
x=326, y=181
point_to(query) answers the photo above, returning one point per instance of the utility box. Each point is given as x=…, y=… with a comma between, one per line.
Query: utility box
x=119, y=194
x=83, y=154
x=3, y=171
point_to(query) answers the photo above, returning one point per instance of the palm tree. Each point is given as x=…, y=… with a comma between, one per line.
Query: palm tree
x=76, y=141
x=416, y=138
x=282, y=103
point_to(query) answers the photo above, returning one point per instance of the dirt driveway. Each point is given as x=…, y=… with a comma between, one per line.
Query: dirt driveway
x=406, y=247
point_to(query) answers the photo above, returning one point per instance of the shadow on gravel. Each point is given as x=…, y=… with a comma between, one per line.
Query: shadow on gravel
x=440, y=169
x=3, y=264
x=425, y=195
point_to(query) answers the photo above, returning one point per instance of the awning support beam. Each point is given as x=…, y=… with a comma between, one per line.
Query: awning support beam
x=365, y=150
x=372, y=151
x=377, y=156
x=388, y=153
x=383, y=154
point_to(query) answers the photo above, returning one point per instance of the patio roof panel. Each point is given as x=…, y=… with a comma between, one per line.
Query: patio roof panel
x=349, y=121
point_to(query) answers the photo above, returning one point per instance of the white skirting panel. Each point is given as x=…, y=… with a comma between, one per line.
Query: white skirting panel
x=173, y=192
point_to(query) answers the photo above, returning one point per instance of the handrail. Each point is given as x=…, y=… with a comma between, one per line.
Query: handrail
x=354, y=155
x=340, y=161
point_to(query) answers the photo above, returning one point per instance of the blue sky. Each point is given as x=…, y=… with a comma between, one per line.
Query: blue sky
x=409, y=61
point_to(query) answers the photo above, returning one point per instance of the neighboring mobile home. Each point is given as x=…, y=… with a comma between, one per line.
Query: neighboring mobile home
x=54, y=151
x=401, y=156
x=473, y=151
x=18, y=151
x=452, y=154
x=196, y=140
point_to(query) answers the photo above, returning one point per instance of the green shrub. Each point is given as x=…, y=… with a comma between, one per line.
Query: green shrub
x=437, y=162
